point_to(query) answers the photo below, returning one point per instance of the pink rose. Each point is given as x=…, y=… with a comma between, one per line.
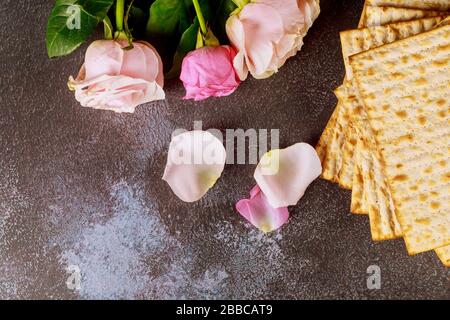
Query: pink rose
x=267, y=32
x=208, y=72
x=119, y=80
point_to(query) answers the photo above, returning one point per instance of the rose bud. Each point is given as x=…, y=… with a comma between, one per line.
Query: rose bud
x=268, y=32
x=116, y=79
x=208, y=72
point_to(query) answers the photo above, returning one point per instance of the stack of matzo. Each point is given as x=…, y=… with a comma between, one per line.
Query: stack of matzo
x=388, y=139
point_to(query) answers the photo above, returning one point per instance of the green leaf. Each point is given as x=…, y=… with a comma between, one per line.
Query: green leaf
x=71, y=22
x=137, y=22
x=167, y=18
x=170, y=28
x=206, y=10
x=223, y=11
x=229, y=6
x=186, y=44
x=108, y=29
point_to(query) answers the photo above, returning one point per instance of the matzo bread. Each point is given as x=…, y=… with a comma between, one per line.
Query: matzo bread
x=345, y=175
x=359, y=40
x=380, y=16
x=359, y=202
x=323, y=148
x=418, y=69
x=358, y=198
x=362, y=19
x=444, y=254
x=342, y=145
x=337, y=161
x=384, y=226
x=332, y=158
x=330, y=149
x=383, y=220
x=439, y=5
x=376, y=194
x=355, y=41
x=445, y=22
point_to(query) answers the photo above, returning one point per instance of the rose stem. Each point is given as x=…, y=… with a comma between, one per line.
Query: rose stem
x=120, y=8
x=200, y=18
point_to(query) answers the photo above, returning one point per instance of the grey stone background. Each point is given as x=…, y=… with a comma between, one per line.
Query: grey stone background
x=83, y=187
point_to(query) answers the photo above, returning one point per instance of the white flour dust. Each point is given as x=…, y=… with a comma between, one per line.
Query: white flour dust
x=10, y=200
x=256, y=262
x=133, y=255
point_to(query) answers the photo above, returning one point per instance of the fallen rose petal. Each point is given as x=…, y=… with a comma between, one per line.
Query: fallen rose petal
x=283, y=175
x=195, y=161
x=260, y=213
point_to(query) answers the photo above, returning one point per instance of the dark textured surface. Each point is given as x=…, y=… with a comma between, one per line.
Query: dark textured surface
x=83, y=187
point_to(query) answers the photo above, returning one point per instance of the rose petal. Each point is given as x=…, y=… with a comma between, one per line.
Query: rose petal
x=134, y=63
x=236, y=34
x=310, y=10
x=142, y=62
x=283, y=175
x=260, y=37
x=103, y=57
x=260, y=213
x=292, y=12
x=116, y=93
x=195, y=161
x=155, y=66
x=298, y=17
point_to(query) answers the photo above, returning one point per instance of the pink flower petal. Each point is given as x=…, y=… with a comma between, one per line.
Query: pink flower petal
x=260, y=213
x=134, y=63
x=289, y=10
x=236, y=34
x=283, y=175
x=195, y=161
x=208, y=72
x=103, y=57
x=263, y=27
x=143, y=62
x=116, y=93
x=155, y=68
